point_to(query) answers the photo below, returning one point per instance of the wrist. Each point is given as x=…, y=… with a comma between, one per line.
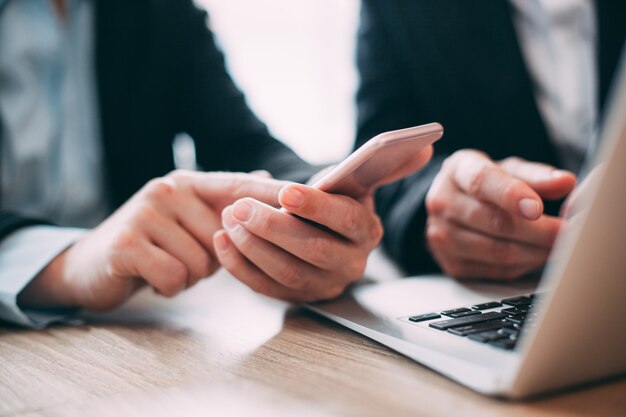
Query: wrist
x=50, y=288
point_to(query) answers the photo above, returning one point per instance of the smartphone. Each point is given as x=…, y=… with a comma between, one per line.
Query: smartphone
x=365, y=169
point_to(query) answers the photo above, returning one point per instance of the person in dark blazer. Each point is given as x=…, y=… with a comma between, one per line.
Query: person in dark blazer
x=519, y=87
x=92, y=93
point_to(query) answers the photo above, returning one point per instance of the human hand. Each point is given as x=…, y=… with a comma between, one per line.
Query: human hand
x=277, y=254
x=162, y=237
x=485, y=219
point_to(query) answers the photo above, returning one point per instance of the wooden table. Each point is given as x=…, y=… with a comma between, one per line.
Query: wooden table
x=221, y=350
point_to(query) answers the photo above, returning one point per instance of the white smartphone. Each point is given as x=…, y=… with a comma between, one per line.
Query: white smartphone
x=365, y=169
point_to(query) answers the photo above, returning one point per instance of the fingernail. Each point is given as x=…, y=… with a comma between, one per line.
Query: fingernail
x=293, y=197
x=227, y=219
x=221, y=242
x=531, y=209
x=242, y=211
x=559, y=173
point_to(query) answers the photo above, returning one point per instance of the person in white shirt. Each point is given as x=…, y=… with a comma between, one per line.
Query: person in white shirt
x=519, y=86
x=92, y=93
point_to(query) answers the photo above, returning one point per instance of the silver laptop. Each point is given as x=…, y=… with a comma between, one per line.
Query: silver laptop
x=519, y=340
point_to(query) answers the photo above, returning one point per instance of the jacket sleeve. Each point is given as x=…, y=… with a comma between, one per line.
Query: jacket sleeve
x=10, y=222
x=26, y=247
x=214, y=112
x=385, y=102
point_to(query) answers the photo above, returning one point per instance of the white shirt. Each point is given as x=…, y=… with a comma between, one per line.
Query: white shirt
x=558, y=40
x=51, y=164
x=51, y=156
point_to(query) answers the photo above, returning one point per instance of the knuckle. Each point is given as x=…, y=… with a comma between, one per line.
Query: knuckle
x=349, y=221
x=463, y=154
x=377, y=231
x=125, y=241
x=510, y=191
x=320, y=250
x=511, y=161
x=477, y=179
x=205, y=265
x=449, y=161
x=160, y=188
x=502, y=251
x=356, y=269
x=177, y=174
x=437, y=235
x=289, y=275
x=475, y=213
x=238, y=185
x=112, y=265
x=146, y=214
x=435, y=202
x=245, y=241
x=458, y=155
x=502, y=223
x=177, y=278
x=266, y=223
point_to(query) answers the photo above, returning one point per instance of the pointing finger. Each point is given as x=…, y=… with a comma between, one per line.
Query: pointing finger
x=481, y=178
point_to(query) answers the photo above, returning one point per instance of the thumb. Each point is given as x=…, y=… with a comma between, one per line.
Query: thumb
x=549, y=182
x=411, y=166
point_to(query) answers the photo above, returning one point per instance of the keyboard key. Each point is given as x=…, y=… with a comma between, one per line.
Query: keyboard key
x=486, y=306
x=506, y=344
x=519, y=319
x=488, y=336
x=509, y=332
x=464, y=314
x=478, y=327
x=424, y=317
x=463, y=321
x=516, y=315
x=455, y=311
x=517, y=301
x=515, y=310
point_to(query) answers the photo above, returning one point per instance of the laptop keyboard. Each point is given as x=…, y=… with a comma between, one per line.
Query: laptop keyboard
x=497, y=323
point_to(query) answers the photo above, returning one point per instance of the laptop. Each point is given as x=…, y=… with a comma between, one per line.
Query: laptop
x=521, y=339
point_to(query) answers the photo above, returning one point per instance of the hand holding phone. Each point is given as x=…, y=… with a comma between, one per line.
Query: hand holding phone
x=317, y=258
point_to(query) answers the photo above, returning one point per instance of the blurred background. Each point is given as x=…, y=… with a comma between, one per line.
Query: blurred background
x=295, y=62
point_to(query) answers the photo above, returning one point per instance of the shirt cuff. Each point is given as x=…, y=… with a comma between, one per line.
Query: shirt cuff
x=23, y=254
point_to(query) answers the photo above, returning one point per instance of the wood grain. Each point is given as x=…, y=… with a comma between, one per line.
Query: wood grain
x=219, y=349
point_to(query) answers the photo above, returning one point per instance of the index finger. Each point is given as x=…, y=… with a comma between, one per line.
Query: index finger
x=546, y=180
x=481, y=178
x=223, y=188
x=343, y=215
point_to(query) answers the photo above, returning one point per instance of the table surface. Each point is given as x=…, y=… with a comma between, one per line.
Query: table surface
x=219, y=348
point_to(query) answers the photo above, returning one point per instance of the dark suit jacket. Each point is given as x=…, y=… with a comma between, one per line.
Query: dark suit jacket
x=159, y=73
x=459, y=63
